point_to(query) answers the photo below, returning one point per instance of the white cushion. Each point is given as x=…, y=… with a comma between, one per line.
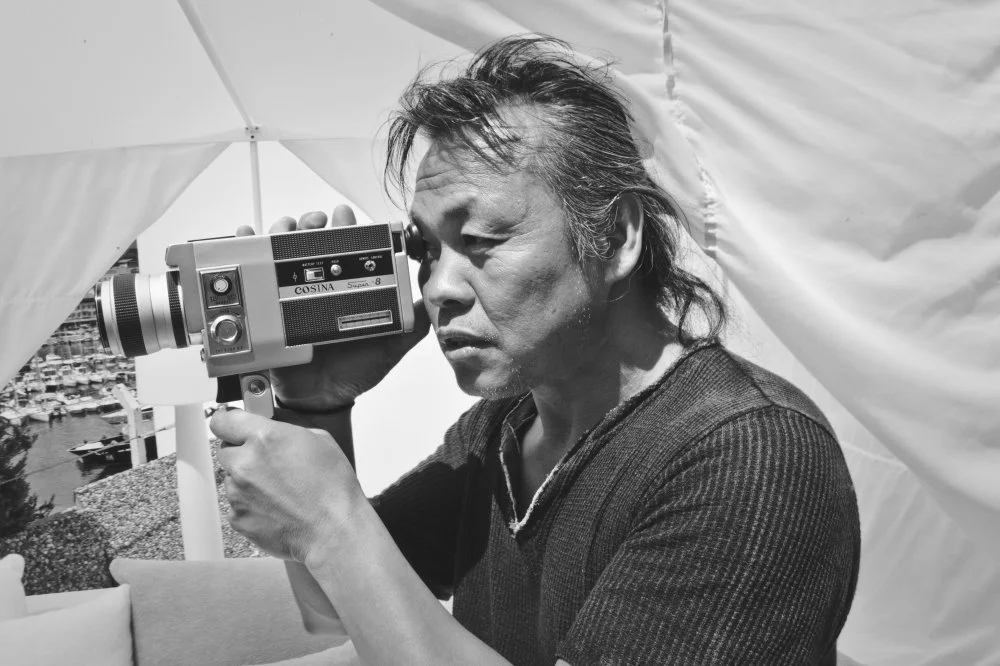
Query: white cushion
x=94, y=632
x=224, y=613
x=342, y=655
x=12, y=603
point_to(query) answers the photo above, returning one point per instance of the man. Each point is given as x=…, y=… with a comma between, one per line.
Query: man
x=627, y=491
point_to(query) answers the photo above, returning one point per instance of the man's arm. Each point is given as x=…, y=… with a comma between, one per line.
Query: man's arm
x=422, y=509
x=389, y=612
x=380, y=568
x=391, y=616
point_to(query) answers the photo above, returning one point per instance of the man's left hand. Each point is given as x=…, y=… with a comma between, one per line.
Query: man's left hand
x=290, y=488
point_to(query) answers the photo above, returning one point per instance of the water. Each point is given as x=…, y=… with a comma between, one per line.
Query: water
x=52, y=470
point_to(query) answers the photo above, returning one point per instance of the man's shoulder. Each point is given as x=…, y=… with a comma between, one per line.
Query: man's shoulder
x=714, y=385
x=711, y=393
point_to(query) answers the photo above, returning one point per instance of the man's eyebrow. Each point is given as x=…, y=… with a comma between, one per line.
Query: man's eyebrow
x=457, y=213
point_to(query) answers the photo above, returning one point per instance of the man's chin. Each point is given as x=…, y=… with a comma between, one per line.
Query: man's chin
x=489, y=384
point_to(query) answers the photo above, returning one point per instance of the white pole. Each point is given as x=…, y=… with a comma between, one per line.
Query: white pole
x=201, y=528
x=258, y=222
x=136, y=432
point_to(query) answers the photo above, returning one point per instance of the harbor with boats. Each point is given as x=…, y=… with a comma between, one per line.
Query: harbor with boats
x=79, y=404
x=55, y=387
x=69, y=395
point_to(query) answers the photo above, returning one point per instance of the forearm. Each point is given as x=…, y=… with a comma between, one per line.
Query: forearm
x=389, y=613
x=337, y=423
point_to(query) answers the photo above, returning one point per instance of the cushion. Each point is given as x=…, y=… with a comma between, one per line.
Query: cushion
x=343, y=655
x=12, y=604
x=94, y=632
x=234, y=611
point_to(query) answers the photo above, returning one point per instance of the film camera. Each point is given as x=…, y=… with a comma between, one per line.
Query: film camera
x=260, y=302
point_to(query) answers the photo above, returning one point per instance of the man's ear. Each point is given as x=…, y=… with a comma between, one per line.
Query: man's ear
x=626, y=239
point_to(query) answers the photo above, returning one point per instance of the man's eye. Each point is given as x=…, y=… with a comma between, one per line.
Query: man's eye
x=477, y=242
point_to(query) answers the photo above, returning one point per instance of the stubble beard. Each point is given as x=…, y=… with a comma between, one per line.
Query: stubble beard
x=518, y=377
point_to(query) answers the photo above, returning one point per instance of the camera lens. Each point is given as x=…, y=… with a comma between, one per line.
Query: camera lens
x=414, y=242
x=140, y=314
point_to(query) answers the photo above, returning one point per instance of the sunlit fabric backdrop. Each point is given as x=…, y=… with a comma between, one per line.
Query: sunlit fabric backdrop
x=839, y=164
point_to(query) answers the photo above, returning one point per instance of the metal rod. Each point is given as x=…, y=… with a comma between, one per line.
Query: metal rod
x=199, y=29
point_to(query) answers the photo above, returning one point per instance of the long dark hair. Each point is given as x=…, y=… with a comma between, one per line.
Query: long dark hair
x=588, y=156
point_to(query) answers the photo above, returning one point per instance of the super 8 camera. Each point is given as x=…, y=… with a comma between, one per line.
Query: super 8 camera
x=260, y=302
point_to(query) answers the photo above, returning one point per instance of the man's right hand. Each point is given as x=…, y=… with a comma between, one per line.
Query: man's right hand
x=340, y=372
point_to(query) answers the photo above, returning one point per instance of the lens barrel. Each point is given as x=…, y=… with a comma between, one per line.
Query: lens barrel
x=140, y=314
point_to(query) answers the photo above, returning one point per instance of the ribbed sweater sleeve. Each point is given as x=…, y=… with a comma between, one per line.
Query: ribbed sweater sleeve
x=422, y=510
x=740, y=553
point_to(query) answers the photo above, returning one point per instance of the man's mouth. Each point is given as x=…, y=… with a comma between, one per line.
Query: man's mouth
x=453, y=341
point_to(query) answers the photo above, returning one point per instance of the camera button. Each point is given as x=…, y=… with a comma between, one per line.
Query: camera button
x=226, y=329
x=221, y=284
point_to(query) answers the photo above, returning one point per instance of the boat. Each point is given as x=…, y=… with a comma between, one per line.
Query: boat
x=66, y=378
x=108, y=404
x=77, y=409
x=39, y=414
x=52, y=380
x=33, y=382
x=12, y=415
x=121, y=416
x=68, y=398
x=82, y=378
x=109, y=450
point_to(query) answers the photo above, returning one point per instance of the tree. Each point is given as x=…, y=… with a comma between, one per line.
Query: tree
x=18, y=506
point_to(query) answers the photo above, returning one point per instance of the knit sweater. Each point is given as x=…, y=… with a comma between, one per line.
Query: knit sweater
x=710, y=519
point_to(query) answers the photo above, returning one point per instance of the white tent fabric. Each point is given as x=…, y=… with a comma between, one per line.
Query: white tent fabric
x=840, y=161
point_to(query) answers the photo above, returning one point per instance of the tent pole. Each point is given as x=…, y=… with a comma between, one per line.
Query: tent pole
x=197, y=496
x=187, y=6
x=258, y=222
x=253, y=130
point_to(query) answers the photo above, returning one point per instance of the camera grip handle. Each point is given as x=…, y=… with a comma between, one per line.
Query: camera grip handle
x=257, y=395
x=318, y=614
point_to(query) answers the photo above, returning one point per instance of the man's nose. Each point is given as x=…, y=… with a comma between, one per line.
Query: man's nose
x=444, y=281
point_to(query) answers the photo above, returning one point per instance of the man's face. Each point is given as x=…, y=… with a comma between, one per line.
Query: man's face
x=512, y=308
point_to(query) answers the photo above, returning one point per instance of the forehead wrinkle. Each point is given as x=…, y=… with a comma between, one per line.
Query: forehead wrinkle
x=453, y=171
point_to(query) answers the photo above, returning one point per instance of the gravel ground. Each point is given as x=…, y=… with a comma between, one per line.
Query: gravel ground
x=139, y=510
x=66, y=551
x=130, y=514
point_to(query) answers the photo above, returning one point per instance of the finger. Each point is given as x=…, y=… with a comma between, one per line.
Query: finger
x=343, y=216
x=244, y=230
x=235, y=426
x=232, y=493
x=282, y=225
x=313, y=220
x=227, y=455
